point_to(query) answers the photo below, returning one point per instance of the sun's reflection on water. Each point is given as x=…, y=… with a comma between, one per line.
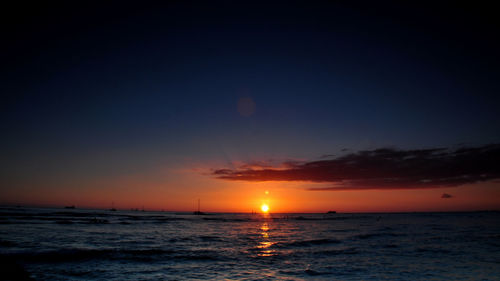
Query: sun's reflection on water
x=265, y=243
x=264, y=227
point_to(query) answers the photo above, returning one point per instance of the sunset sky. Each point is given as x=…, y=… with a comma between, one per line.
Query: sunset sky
x=353, y=108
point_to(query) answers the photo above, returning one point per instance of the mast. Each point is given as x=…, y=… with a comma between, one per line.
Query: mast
x=198, y=212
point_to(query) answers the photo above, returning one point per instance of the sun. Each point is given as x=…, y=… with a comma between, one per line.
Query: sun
x=264, y=208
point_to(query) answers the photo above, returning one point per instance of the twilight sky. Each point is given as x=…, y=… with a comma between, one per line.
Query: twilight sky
x=347, y=107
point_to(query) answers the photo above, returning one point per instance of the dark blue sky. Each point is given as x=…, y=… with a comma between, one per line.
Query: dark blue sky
x=90, y=89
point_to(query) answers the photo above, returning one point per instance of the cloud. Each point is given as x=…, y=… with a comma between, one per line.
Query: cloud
x=385, y=168
x=446, y=196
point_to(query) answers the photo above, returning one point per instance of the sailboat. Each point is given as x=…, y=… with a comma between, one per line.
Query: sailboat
x=198, y=212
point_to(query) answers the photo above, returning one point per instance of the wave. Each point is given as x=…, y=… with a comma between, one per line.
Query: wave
x=314, y=272
x=308, y=243
x=304, y=273
x=229, y=220
x=7, y=243
x=336, y=252
x=78, y=255
x=167, y=219
x=180, y=239
x=432, y=250
x=376, y=235
x=208, y=238
x=74, y=214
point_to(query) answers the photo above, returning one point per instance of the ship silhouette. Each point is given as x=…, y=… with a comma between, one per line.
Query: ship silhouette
x=198, y=212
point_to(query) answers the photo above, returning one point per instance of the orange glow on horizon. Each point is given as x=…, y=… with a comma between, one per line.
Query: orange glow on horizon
x=180, y=191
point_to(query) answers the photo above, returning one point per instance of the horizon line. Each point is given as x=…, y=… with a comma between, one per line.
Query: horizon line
x=229, y=212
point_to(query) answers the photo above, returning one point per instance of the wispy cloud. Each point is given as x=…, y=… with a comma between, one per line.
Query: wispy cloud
x=446, y=196
x=384, y=168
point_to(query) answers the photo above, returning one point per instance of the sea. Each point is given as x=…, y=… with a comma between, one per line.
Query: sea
x=78, y=244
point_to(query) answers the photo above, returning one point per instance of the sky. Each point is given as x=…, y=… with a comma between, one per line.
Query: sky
x=353, y=107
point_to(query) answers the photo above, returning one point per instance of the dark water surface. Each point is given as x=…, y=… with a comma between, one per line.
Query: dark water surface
x=60, y=244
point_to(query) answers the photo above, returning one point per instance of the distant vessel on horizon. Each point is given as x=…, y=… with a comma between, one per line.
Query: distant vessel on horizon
x=70, y=207
x=331, y=212
x=198, y=212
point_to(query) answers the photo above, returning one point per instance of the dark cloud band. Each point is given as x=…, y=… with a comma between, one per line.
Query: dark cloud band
x=385, y=168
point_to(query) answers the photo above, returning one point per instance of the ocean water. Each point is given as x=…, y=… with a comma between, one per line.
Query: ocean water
x=61, y=244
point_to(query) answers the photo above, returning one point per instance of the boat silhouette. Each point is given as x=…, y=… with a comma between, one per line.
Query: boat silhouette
x=198, y=212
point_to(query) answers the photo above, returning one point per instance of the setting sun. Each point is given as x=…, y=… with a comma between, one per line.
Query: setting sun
x=264, y=208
